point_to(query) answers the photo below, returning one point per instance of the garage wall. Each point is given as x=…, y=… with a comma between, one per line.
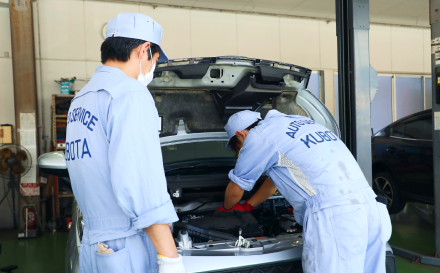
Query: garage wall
x=400, y=49
x=70, y=38
x=7, y=110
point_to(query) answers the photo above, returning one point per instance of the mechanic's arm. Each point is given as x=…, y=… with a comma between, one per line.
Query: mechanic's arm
x=256, y=157
x=137, y=175
x=233, y=195
x=162, y=239
x=266, y=190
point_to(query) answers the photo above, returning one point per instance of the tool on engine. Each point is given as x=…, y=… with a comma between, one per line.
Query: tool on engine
x=183, y=240
x=242, y=242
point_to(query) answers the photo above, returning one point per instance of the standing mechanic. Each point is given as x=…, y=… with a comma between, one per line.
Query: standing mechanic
x=346, y=226
x=114, y=157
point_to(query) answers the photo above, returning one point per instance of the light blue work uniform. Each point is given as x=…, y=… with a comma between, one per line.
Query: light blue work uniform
x=115, y=165
x=345, y=228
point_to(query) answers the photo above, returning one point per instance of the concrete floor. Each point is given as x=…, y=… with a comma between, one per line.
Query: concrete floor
x=46, y=253
x=412, y=232
x=42, y=254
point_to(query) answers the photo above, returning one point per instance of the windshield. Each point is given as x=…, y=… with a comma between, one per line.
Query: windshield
x=197, y=152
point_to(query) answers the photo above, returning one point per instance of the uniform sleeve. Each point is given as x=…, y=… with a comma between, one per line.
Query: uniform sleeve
x=256, y=157
x=135, y=159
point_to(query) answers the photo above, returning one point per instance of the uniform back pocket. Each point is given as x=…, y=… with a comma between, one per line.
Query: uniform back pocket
x=351, y=233
x=116, y=262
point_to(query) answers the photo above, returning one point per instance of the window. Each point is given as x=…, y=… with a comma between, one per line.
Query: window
x=398, y=130
x=419, y=129
x=380, y=133
x=428, y=93
x=381, y=107
x=314, y=85
x=409, y=96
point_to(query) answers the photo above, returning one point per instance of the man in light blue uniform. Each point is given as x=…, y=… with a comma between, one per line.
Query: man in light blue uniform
x=346, y=226
x=114, y=157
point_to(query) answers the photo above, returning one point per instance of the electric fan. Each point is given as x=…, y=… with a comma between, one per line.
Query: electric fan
x=15, y=162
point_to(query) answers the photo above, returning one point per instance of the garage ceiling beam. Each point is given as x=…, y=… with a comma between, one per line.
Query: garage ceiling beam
x=352, y=30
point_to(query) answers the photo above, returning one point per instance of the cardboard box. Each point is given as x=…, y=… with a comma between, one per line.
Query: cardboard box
x=5, y=134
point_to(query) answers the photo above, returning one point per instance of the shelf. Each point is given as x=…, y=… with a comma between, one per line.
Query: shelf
x=65, y=195
x=64, y=96
x=58, y=120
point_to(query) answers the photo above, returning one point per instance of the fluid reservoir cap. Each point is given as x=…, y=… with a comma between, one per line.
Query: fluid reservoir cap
x=183, y=240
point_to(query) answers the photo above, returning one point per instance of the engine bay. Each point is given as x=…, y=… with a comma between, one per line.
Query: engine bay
x=199, y=225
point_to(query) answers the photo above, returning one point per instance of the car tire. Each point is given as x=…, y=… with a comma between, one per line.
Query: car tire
x=384, y=184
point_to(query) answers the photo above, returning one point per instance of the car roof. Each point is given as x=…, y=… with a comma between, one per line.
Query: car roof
x=414, y=115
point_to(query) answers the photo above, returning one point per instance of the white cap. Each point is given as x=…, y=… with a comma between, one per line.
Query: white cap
x=240, y=121
x=137, y=26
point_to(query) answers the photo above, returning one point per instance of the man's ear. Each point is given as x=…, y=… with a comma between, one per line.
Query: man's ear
x=143, y=48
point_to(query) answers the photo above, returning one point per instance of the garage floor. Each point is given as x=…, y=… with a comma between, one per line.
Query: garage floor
x=46, y=253
x=413, y=231
x=42, y=254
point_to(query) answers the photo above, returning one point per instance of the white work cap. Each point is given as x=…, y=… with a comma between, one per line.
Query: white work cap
x=240, y=121
x=136, y=26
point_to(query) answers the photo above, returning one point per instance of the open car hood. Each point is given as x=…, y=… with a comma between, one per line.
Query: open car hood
x=205, y=92
x=226, y=72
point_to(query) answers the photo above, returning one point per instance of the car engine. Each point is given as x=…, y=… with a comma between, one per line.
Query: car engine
x=199, y=224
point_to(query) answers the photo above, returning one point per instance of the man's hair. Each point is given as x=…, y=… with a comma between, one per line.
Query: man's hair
x=234, y=140
x=120, y=48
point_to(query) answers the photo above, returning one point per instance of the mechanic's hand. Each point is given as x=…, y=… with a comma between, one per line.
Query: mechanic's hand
x=237, y=208
x=170, y=265
x=245, y=207
x=223, y=212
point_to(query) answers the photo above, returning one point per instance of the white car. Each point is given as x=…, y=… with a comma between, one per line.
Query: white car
x=194, y=98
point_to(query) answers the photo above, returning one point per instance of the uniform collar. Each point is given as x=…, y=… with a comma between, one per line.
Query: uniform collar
x=109, y=69
x=272, y=113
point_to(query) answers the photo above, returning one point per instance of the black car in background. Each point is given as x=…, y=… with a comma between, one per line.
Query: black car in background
x=403, y=161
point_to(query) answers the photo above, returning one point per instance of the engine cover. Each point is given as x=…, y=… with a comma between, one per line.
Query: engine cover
x=231, y=224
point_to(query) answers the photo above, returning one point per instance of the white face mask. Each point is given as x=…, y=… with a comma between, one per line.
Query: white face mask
x=145, y=79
